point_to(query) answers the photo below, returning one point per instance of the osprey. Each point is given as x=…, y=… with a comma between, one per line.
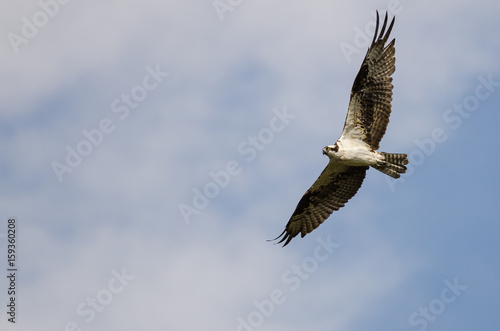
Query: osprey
x=356, y=149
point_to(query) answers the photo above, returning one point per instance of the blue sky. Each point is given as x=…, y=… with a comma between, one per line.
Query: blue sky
x=117, y=116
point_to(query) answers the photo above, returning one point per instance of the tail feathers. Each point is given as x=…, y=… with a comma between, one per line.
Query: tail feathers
x=393, y=164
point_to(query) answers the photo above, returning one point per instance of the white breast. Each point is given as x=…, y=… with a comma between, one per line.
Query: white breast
x=357, y=153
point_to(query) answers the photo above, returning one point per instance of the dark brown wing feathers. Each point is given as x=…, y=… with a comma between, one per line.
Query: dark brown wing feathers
x=372, y=88
x=319, y=202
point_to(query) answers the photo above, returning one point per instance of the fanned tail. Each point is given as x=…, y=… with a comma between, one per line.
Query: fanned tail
x=393, y=164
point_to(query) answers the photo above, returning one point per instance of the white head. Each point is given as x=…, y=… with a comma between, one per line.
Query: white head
x=332, y=151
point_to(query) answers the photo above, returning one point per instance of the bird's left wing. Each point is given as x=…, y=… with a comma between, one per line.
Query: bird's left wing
x=371, y=94
x=333, y=188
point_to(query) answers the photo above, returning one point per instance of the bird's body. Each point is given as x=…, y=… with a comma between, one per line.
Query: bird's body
x=356, y=149
x=352, y=152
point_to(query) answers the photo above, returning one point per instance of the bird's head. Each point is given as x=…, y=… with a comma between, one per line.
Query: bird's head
x=332, y=151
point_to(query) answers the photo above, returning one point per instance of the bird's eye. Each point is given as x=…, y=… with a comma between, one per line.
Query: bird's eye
x=335, y=148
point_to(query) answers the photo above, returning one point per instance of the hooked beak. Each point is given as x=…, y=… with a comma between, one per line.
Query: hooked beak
x=324, y=151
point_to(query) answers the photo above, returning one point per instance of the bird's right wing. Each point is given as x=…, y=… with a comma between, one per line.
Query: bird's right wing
x=333, y=188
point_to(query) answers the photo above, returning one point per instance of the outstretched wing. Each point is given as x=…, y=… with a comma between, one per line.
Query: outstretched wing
x=371, y=94
x=333, y=188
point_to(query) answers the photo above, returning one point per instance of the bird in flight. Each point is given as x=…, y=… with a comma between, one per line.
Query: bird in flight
x=356, y=149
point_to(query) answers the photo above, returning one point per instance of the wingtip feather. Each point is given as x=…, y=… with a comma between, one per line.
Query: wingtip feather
x=383, y=35
x=286, y=236
x=376, y=30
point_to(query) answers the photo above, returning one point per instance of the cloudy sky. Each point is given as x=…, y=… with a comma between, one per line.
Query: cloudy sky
x=149, y=149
